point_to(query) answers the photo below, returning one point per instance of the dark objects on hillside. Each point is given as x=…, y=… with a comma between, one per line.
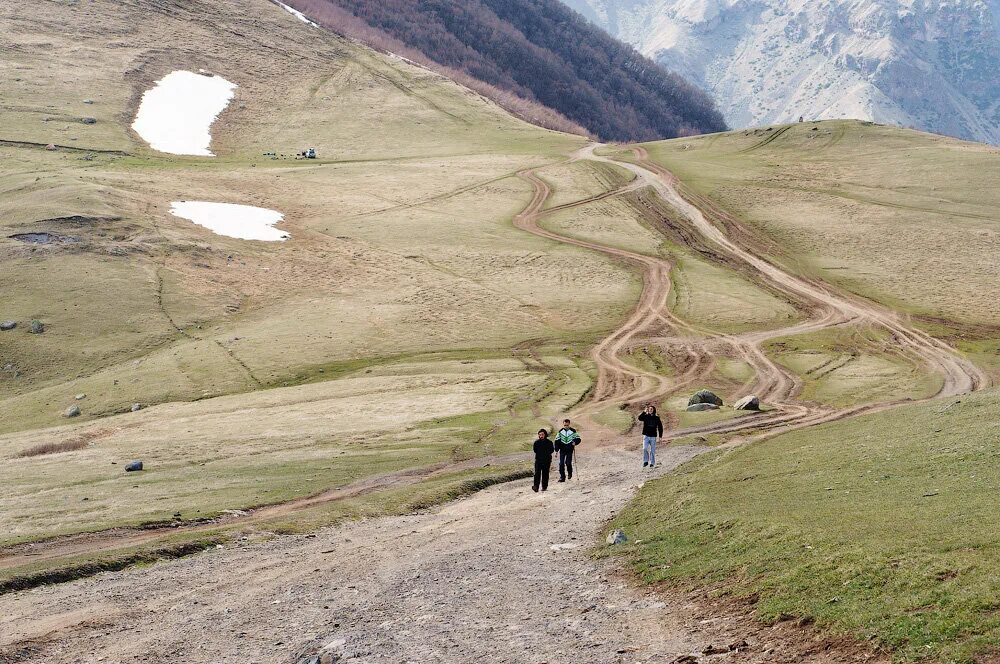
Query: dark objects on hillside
x=37, y=327
x=133, y=466
x=8, y=325
x=531, y=53
x=705, y=396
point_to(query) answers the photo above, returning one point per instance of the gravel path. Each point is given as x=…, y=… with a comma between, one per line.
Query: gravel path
x=502, y=576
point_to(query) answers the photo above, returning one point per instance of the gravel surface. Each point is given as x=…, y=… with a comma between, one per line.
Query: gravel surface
x=502, y=576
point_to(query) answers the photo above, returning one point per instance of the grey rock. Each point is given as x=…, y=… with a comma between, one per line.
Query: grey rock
x=701, y=407
x=80, y=397
x=136, y=407
x=133, y=466
x=88, y=120
x=704, y=396
x=749, y=402
x=616, y=536
x=72, y=411
x=8, y=325
x=37, y=327
x=88, y=101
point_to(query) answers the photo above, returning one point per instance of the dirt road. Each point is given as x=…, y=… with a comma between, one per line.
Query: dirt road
x=504, y=576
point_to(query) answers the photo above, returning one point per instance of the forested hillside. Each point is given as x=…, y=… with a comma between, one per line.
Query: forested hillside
x=532, y=53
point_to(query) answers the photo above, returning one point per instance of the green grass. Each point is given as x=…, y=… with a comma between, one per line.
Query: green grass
x=882, y=527
x=887, y=213
x=846, y=366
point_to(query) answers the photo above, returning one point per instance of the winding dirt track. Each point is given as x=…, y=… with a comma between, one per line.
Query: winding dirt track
x=502, y=576
x=620, y=383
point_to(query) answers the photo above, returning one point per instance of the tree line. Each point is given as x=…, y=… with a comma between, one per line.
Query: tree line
x=538, y=58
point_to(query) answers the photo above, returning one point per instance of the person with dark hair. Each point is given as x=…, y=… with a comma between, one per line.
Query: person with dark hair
x=543, y=449
x=566, y=441
x=652, y=430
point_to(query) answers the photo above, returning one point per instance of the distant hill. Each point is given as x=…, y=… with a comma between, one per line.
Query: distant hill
x=529, y=54
x=930, y=65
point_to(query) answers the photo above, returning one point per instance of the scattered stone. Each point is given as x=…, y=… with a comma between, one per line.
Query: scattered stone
x=616, y=536
x=133, y=466
x=88, y=101
x=736, y=646
x=749, y=402
x=50, y=147
x=88, y=121
x=8, y=325
x=37, y=327
x=712, y=649
x=704, y=396
x=136, y=407
x=80, y=397
x=700, y=407
x=72, y=411
x=684, y=659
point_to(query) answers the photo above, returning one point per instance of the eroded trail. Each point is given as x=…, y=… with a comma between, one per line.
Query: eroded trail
x=503, y=576
x=621, y=383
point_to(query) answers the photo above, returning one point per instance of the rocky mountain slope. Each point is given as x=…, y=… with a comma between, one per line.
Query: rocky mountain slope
x=527, y=54
x=926, y=64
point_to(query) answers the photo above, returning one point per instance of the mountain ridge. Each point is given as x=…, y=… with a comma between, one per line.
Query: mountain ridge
x=927, y=65
x=537, y=51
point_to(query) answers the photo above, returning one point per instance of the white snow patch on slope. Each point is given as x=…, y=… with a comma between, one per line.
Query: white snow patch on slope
x=176, y=114
x=243, y=222
x=297, y=14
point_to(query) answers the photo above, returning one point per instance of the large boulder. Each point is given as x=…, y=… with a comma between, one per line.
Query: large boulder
x=704, y=396
x=700, y=407
x=749, y=402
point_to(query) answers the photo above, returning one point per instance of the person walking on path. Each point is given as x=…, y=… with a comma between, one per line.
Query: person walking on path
x=543, y=449
x=652, y=431
x=566, y=441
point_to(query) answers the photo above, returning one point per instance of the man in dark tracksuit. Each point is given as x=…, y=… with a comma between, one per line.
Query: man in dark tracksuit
x=566, y=441
x=543, y=460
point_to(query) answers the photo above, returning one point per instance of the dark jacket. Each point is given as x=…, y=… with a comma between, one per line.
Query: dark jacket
x=652, y=425
x=543, y=449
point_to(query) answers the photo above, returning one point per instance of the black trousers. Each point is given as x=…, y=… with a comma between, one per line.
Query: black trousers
x=566, y=461
x=542, y=473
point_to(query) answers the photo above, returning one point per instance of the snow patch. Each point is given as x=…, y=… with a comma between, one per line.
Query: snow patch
x=297, y=14
x=243, y=222
x=175, y=115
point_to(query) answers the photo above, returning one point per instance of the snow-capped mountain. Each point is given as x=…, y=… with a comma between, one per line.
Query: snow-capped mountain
x=930, y=64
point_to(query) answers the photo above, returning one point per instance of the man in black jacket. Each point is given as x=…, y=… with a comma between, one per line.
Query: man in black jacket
x=543, y=449
x=652, y=432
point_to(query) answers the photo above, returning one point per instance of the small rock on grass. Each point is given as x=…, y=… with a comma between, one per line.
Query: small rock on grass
x=8, y=325
x=133, y=466
x=136, y=407
x=699, y=407
x=37, y=327
x=72, y=411
x=617, y=536
x=80, y=397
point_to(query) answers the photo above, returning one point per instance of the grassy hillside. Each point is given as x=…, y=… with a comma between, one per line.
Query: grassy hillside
x=882, y=527
x=404, y=324
x=906, y=218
